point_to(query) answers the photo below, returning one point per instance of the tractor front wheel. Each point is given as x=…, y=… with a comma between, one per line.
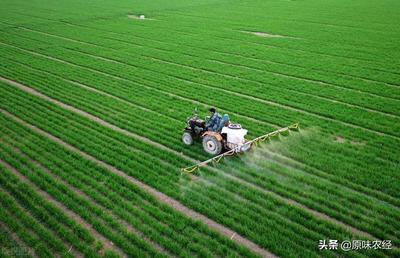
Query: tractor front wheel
x=211, y=145
x=187, y=138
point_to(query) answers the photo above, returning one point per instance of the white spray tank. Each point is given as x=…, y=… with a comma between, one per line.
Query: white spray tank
x=234, y=136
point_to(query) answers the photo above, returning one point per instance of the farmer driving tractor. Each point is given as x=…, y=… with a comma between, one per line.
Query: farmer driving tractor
x=214, y=120
x=215, y=123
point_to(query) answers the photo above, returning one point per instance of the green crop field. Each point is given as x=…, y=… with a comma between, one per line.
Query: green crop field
x=94, y=99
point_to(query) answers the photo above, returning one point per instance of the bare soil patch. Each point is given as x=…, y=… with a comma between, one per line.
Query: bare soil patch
x=265, y=34
x=340, y=139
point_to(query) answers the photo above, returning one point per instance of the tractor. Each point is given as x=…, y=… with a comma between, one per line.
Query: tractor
x=227, y=140
x=229, y=137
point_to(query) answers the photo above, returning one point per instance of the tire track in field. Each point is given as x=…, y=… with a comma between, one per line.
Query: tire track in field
x=380, y=133
x=158, y=195
x=275, y=73
x=51, y=200
x=114, y=97
x=182, y=98
x=140, y=138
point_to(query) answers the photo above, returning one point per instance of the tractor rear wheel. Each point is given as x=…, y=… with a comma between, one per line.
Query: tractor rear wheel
x=187, y=138
x=211, y=145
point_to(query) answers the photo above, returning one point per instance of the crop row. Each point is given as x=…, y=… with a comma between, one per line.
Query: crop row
x=242, y=43
x=268, y=115
x=126, y=93
x=128, y=243
x=137, y=166
x=70, y=93
x=277, y=49
x=273, y=73
x=11, y=245
x=356, y=51
x=379, y=153
x=234, y=37
x=362, y=218
x=200, y=199
x=62, y=90
x=345, y=205
x=51, y=217
x=252, y=83
x=28, y=229
x=175, y=233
